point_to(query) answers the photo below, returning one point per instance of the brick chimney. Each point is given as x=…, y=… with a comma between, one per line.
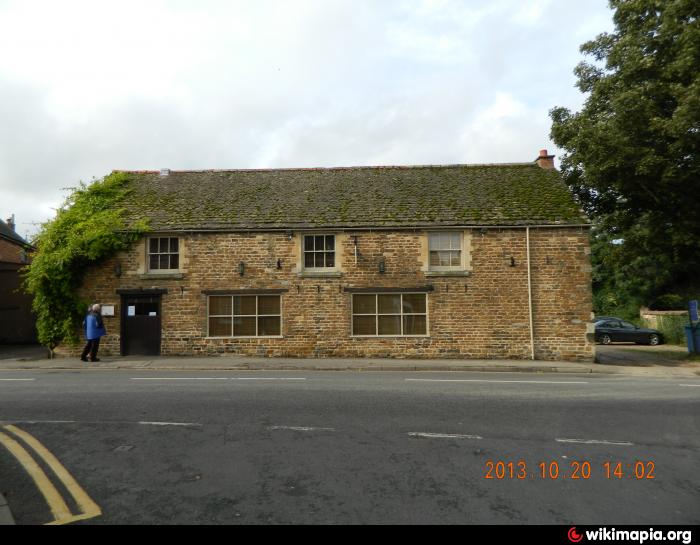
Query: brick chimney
x=545, y=160
x=11, y=222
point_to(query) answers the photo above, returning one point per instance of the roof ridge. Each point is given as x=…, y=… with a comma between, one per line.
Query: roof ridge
x=321, y=169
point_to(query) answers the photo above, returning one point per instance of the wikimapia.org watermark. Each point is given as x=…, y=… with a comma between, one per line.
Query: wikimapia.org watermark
x=639, y=536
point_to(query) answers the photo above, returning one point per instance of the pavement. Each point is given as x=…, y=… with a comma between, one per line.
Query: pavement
x=5, y=515
x=29, y=358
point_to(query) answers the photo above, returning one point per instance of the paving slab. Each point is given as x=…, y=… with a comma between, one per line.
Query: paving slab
x=6, y=518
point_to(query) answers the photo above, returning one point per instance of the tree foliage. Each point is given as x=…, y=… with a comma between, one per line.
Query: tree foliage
x=631, y=153
x=88, y=228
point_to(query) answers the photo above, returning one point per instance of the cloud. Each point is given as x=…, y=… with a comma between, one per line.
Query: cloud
x=88, y=87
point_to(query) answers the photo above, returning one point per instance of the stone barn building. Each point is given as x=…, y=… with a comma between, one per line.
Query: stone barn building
x=454, y=261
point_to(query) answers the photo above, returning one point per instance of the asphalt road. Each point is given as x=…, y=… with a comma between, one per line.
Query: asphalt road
x=336, y=447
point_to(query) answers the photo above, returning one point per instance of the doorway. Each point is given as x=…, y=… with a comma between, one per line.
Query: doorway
x=141, y=325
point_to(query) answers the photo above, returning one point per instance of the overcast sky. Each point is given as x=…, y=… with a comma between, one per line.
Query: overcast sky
x=87, y=87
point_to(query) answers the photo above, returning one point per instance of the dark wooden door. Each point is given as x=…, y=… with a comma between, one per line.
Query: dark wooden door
x=141, y=325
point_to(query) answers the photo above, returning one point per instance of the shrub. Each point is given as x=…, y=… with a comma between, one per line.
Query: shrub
x=669, y=301
x=672, y=328
x=88, y=228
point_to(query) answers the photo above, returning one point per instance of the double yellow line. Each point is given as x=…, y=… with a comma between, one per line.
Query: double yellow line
x=59, y=509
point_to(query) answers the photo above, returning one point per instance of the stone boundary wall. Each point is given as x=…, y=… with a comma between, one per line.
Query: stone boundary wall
x=653, y=317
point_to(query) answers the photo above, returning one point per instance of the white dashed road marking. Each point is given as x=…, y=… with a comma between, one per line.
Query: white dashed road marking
x=220, y=378
x=103, y=423
x=494, y=381
x=168, y=424
x=42, y=422
x=268, y=378
x=181, y=378
x=299, y=428
x=442, y=435
x=595, y=442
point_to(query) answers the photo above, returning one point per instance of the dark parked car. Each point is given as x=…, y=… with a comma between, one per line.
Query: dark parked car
x=614, y=331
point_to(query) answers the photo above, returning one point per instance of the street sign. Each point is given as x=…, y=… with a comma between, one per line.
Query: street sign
x=693, y=310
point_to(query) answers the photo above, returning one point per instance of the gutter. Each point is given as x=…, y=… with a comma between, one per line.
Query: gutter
x=18, y=241
x=427, y=227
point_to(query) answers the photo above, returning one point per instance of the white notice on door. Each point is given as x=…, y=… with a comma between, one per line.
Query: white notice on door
x=131, y=311
x=151, y=313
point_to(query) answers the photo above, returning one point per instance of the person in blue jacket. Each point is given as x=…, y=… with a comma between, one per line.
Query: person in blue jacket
x=94, y=329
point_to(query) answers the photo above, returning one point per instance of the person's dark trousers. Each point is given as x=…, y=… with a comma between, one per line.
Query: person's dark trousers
x=91, y=347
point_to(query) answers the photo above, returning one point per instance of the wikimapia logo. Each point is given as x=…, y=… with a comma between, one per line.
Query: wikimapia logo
x=637, y=536
x=574, y=536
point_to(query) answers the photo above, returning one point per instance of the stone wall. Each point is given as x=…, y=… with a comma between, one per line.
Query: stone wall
x=479, y=313
x=654, y=318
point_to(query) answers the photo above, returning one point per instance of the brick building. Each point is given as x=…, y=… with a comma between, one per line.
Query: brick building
x=17, y=323
x=469, y=261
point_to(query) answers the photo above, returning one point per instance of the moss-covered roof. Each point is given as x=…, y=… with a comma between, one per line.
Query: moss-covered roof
x=353, y=197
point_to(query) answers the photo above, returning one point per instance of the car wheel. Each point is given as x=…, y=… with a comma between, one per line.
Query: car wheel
x=605, y=339
x=654, y=340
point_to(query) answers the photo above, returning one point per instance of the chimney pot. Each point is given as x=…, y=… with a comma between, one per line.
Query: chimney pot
x=11, y=222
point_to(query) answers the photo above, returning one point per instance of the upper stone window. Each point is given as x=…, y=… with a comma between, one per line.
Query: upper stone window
x=319, y=252
x=163, y=254
x=445, y=251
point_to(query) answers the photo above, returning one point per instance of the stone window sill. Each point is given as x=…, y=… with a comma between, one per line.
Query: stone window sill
x=320, y=274
x=247, y=337
x=389, y=336
x=162, y=276
x=447, y=273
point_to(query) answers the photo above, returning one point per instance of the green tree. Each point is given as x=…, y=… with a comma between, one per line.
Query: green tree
x=631, y=154
x=88, y=228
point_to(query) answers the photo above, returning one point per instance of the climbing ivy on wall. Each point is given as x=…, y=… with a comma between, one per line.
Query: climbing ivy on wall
x=88, y=228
